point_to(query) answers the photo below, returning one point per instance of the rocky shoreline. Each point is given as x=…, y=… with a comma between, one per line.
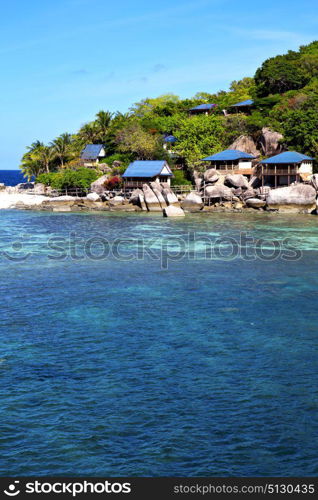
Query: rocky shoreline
x=214, y=193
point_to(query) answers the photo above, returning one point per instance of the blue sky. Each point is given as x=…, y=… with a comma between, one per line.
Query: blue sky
x=64, y=60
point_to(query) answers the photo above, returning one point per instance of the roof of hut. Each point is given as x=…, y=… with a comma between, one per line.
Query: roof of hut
x=147, y=168
x=229, y=155
x=287, y=157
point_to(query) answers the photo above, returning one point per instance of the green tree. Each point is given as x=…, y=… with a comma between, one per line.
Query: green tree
x=300, y=129
x=200, y=136
x=280, y=74
x=88, y=134
x=148, y=105
x=39, y=158
x=65, y=179
x=241, y=90
x=61, y=147
x=141, y=144
x=102, y=122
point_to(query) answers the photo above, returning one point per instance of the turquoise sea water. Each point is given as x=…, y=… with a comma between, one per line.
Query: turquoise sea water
x=160, y=361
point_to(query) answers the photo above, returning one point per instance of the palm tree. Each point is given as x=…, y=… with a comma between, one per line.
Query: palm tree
x=103, y=121
x=46, y=155
x=37, y=159
x=88, y=133
x=61, y=147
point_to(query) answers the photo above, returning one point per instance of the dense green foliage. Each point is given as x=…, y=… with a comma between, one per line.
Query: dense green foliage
x=179, y=179
x=286, y=72
x=285, y=93
x=66, y=179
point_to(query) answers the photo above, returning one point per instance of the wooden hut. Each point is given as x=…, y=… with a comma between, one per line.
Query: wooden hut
x=231, y=161
x=285, y=168
x=202, y=109
x=141, y=172
x=92, y=154
x=243, y=107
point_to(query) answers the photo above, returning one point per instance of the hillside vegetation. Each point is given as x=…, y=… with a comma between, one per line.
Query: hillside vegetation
x=285, y=91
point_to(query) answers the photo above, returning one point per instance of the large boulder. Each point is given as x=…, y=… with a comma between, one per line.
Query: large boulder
x=238, y=192
x=25, y=186
x=248, y=193
x=134, y=197
x=104, y=168
x=198, y=179
x=98, y=186
x=270, y=142
x=93, y=197
x=245, y=143
x=142, y=202
x=254, y=181
x=294, y=198
x=236, y=181
x=117, y=200
x=59, y=203
x=211, y=175
x=172, y=211
x=220, y=181
x=314, y=181
x=2, y=186
x=170, y=197
x=39, y=188
x=71, y=204
x=192, y=202
x=151, y=200
x=157, y=189
x=222, y=192
x=156, y=185
x=255, y=203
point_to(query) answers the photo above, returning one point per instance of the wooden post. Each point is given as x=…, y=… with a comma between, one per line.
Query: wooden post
x=262, y=176
x=288, y=175
x=275, y=176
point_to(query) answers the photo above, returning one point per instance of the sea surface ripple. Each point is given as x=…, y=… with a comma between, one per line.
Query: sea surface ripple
x=125, y=366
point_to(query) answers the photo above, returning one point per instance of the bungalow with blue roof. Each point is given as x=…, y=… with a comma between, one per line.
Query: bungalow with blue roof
x=205, y=109
x=168, y=140
x=231, y=161
x=286, y=168
x=243, y=107
x=92, y=154
x=145, y=171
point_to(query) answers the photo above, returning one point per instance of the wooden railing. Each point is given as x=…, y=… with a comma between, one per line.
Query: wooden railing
x=137, y=184
x=279, y=171
x=226, y=168
x=229, y=169
x=124, y=190
x=78, y=192
x=185, y=188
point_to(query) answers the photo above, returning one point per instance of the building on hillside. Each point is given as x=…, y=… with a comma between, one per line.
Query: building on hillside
x=168, y=140
x=142, y=172
x=202, y=109
x=231, y=161
x=243, y=107
x=285, y=168
x=92, y=154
